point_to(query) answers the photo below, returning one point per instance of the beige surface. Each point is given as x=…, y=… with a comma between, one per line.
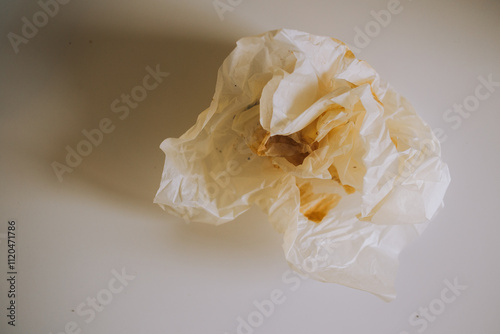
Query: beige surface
x=75, y=236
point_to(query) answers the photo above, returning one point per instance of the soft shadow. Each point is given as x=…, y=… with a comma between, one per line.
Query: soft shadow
x=128, y=162
x=127, y=166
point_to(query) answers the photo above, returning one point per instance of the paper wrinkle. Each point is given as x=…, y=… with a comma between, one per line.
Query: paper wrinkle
x=341, y=163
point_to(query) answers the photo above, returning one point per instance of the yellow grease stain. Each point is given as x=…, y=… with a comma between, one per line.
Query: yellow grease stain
x=316, y=206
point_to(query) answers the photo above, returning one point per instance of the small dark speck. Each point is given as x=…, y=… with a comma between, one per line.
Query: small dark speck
x=248, y=158
x=354, y=167
x=72, y=310
x=90, y=41
x=235, y=86
x=234, y=116
x=69, y=43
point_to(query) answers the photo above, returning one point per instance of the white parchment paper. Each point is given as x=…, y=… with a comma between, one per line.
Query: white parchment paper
x=340, y=162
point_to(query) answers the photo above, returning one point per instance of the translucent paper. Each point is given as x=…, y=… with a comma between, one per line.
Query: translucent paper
x=341, y=163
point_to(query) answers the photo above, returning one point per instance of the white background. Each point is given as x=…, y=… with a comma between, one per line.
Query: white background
x=196, y=278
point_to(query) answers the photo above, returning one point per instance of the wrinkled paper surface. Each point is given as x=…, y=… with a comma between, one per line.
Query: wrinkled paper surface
x=339, y=161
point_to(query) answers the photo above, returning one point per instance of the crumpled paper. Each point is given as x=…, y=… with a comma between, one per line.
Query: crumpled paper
x=340, y=162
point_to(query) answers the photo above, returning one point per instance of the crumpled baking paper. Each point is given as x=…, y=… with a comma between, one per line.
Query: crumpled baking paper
x=340, y=162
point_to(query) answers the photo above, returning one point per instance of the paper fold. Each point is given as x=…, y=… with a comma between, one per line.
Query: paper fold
x=340, y=162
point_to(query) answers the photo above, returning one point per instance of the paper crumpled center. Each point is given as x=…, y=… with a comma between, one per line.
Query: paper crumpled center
x=340, y=162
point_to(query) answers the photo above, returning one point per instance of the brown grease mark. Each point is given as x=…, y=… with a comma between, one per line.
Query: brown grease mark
x=375, y=96
x=296, y=147
x=349, y=54
x=309, y=133
x=263, y=144
x=364, y=219
x=286, y=147
x=316, y=206
x=394, y=141
x=335, y=176
x=348, y=189
x=337, y=41
x=258, y=140
x=334, y=173
x=261, y=149
x=297, y=159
